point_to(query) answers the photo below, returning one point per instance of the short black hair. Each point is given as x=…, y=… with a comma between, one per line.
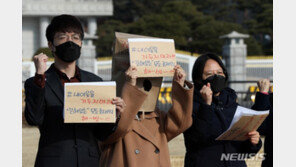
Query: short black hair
x=64, y=23
x=199, y=66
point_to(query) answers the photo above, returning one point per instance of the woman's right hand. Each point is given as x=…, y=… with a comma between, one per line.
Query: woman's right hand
x=254, y=137
x=131, y=75
x=207, y=93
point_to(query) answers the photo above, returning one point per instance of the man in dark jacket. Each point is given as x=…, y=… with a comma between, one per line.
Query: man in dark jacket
x=264, y=101
x=60, y=144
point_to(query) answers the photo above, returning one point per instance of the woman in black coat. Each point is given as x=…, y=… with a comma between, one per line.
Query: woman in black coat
x=214, y=106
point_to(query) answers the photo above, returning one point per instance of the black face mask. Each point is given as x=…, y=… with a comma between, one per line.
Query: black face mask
x=68, y=51
x=218, y=83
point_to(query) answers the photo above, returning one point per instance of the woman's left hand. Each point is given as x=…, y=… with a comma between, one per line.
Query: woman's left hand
x=120, y=105
x=254, y=137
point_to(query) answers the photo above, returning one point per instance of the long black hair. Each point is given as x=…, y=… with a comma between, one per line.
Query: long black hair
x=199, y=66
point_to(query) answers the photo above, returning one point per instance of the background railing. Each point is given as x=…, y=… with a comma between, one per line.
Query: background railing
x=256, y=68
x=244, y=98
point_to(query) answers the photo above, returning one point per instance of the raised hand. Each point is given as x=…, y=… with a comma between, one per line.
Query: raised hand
x=131, y=75
x=40, y=63
x=207, y=93
x=263, y=85
x=120, y=105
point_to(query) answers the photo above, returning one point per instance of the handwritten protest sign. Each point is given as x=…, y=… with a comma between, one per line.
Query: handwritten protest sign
x=244, y=121
x=152, y=57
x=89, y=102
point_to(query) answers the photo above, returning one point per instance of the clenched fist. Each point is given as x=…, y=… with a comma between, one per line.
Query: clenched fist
x=40, y=63
x=207, y=93
x=263, y=85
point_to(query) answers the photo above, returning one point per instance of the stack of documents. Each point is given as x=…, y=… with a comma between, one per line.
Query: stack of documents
x=244, y=121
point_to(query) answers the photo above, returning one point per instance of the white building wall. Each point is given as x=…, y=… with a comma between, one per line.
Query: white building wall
x=38, y=13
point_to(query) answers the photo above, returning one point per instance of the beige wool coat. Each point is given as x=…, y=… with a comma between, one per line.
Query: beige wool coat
x=144, y=142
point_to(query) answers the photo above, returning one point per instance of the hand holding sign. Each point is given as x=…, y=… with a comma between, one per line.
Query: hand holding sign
x=131, y=75
x=120, y=105
x=179, y=75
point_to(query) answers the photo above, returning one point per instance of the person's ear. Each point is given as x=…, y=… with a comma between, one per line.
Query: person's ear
x=50, y=46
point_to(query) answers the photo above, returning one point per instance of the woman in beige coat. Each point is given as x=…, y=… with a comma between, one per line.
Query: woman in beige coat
x=144, y=142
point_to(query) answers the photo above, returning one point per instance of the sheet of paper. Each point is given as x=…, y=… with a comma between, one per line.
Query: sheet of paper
x=242, y=111
x=89, y=102
x=244, y=121
x=152, y=57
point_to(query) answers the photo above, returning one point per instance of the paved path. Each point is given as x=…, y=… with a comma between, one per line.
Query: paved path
x=176, y=146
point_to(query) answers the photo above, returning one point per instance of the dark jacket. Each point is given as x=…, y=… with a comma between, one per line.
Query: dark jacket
x=60, y=144
x=265, y=102
x=210, y=121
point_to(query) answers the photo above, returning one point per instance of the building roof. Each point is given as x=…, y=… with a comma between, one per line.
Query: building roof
x=235, y=34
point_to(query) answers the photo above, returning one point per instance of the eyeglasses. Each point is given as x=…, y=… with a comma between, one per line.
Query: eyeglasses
x=74, y=37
